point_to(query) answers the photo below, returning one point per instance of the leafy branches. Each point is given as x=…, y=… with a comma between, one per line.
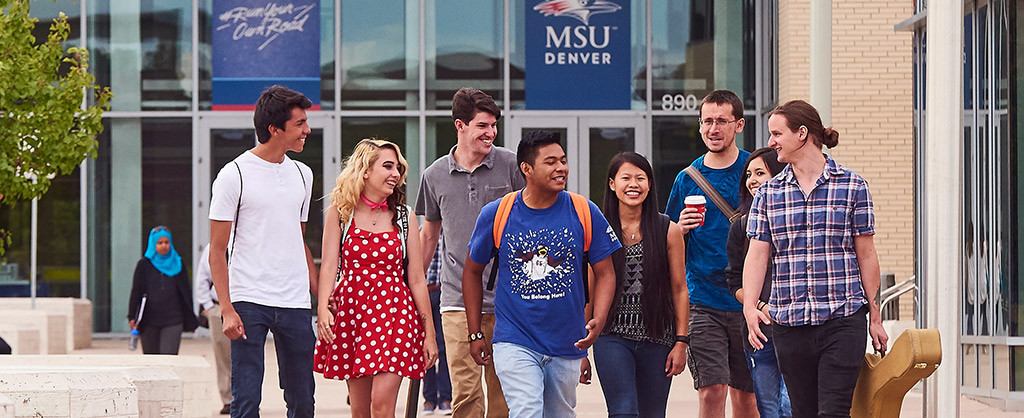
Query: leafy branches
x=44, y=128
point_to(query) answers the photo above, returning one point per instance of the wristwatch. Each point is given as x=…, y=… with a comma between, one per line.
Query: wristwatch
x=477, y=336
x=683, y=339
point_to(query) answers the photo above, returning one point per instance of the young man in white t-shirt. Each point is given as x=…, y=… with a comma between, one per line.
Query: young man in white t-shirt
x=258, y=217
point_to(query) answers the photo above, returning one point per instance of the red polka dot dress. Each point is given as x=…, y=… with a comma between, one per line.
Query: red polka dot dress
x=377, y=328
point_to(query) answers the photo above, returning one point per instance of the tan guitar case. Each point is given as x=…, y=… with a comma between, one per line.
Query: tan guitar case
x=884, y=381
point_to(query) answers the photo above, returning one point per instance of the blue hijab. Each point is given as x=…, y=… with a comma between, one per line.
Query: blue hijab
x=168, y=264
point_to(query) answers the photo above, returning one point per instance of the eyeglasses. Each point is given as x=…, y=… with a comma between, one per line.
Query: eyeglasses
x=707, y=123
x=160, y=228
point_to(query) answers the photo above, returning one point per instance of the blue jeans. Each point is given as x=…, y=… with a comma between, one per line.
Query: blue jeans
x=769, y=388
x=437, y=387
x=536, y=385
x=294, y=340
x=632, y=375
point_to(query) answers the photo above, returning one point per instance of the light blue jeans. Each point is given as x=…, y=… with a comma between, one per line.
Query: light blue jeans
x=536, y=385
x=769, y=388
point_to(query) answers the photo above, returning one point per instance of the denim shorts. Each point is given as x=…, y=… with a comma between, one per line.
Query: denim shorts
x=712, y=333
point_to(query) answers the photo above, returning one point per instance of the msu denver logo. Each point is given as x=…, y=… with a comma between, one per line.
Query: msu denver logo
x=578, y=9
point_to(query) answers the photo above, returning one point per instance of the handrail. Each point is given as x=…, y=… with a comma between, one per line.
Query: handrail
x=895, y=288
x=896, y=291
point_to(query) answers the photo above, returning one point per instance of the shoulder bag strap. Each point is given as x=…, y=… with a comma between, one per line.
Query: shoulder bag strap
x=711, y=193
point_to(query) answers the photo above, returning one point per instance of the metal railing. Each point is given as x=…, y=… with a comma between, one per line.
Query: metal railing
x=893, y=293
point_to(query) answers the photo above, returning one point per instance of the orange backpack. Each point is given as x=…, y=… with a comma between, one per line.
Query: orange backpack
x=579, y=203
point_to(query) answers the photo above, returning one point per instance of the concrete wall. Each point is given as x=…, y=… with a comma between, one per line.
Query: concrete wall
x=872, y=93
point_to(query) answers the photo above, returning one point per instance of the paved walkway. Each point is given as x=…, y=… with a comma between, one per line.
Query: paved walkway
x=330, y=395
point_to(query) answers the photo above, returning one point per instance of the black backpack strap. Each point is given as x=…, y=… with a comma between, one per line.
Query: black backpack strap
x=491, y=278
x=238, y=207
x=303, y=186
x=586, y=277
x=403, y=234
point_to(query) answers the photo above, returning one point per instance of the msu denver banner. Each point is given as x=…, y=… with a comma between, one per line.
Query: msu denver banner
x=259, y=43
x=577, y=54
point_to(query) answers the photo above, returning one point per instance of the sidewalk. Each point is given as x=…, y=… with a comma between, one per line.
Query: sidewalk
x=330, y=394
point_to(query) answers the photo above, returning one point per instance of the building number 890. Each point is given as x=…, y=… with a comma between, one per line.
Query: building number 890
x=679, y=102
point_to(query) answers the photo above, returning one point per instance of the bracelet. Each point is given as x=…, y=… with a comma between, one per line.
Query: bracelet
x=683, y=339
x=761, y=304
x=476, y=336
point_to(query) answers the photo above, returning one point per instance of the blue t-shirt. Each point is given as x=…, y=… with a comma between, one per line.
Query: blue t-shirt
x=538, y=294
x=706, y=258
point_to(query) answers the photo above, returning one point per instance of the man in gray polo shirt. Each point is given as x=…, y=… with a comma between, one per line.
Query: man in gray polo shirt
x=452, y=191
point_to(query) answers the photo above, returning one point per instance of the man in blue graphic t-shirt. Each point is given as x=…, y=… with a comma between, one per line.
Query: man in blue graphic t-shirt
x=716, y=317
x=540, y=332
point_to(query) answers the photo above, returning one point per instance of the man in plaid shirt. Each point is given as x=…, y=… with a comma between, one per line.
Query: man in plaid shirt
x=820, y=219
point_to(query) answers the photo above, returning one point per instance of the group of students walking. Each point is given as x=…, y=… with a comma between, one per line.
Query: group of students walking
x=763, y=292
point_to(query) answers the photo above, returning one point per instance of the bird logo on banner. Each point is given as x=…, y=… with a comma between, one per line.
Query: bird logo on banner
x=578, y=9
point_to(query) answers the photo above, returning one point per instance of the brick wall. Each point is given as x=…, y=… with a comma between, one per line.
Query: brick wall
x=871, y=108
x=794, y=50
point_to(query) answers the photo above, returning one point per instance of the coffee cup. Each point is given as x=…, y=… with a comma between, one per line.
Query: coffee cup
x=697, y=202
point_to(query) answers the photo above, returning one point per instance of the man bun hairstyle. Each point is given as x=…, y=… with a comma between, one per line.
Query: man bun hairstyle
x=531, y=142
x=274, y=108
x=468, y=101
x=830, y=137
x=721, y=97
x=800, y=113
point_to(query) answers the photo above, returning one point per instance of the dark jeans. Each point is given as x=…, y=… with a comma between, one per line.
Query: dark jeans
x=821, y=363
x=164, y=340
x=437, y=386
x=294, y=340
x=632, y=375
x=769, y=388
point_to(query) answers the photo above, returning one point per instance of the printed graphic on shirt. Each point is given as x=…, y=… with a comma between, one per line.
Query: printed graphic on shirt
x=542, y=263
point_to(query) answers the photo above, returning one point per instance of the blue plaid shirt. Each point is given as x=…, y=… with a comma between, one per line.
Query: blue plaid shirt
x=434, y=269
x=816, y=276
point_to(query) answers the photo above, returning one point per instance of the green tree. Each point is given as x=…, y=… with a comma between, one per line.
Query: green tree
x=45, y=129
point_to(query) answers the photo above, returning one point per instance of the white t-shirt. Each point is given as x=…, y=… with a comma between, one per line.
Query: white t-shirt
x=268, y=262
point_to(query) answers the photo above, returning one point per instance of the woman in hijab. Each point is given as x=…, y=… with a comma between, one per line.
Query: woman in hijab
x=161, y=289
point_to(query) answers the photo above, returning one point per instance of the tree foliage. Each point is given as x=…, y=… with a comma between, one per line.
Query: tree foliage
x=44, y=128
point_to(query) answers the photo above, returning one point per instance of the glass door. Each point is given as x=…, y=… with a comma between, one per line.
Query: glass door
x=589, y=141
x=221, y=139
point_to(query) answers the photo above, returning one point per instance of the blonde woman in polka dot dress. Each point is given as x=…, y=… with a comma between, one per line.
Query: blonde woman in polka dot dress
x=383, y=329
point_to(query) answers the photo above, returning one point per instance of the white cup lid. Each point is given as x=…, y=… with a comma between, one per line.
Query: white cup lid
x=695, y=200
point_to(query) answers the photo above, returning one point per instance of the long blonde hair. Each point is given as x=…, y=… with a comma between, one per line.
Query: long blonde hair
x=350, y=182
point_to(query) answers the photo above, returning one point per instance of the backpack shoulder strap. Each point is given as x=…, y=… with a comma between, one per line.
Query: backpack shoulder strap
x=238, y=208
x=403, y=225
x=341, y=246
x=500, y=219
x=303, y=177
x=582, y=206
x=711, y=193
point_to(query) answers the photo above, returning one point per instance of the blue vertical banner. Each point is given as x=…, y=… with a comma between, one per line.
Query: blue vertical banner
x=577, y=55
x=259, y=43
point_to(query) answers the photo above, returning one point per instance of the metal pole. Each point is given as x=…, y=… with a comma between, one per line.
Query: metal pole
x=34, y=250
x=943, y=199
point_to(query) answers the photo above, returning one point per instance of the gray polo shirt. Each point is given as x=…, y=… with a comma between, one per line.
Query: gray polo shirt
x=454, y=195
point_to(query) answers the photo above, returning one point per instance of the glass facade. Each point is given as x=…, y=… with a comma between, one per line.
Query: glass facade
x=991, y=329
x=388, y=69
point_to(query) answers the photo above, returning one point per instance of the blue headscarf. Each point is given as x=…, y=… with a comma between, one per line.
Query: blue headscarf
x=170, y=263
